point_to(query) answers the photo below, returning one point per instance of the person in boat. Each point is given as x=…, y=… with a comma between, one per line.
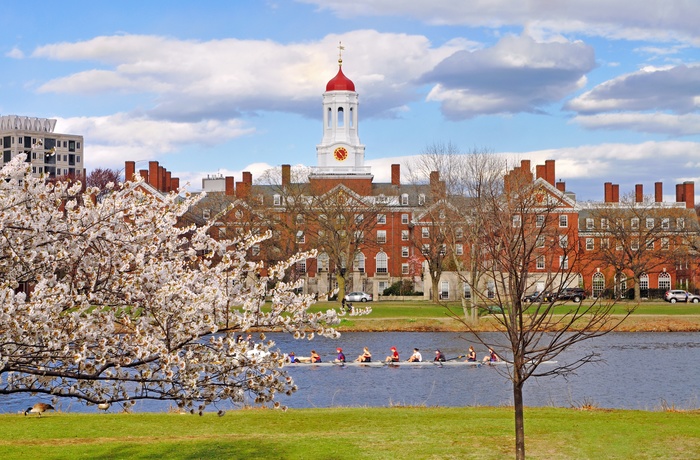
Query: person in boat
x=292, y=357
x=439, y=356
x=492, y=357
x=365, y=357
x=415, y=357
x=315, y=357
x=341, y=357
x=471, y=355
x=393, y=357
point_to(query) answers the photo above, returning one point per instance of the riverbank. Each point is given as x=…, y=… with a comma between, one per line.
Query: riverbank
x=428, y=317
x=356, y=433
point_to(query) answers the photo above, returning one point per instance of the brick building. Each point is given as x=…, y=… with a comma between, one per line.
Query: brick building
x=369, y=235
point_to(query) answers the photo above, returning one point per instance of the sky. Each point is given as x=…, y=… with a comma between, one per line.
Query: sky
x=610, y=89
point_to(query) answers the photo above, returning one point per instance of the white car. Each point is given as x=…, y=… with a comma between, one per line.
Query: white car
x=358, y=297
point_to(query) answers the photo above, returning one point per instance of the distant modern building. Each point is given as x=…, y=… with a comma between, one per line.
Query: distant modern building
x=50, y=153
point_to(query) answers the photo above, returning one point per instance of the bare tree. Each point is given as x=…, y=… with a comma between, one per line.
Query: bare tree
x=522, y=226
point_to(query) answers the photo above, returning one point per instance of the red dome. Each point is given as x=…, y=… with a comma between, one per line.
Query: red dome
x=340, y=82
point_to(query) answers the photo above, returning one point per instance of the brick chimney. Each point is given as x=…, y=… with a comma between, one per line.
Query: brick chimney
x=685, y=192
x=229, y=186
x=615, y=193
x=541, y=172
x=168, y=178
x=608, y=192
x=175, y=183
x=561, y=186
x=153, y=174
x=549, y=167
x=638, y=193
x=658, y=192
x=129, y=170
x=396, y=174
x=286, y=175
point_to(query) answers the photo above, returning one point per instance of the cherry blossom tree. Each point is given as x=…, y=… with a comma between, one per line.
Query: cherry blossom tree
x=110, y=301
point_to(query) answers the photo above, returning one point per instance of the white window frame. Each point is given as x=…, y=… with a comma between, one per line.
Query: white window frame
x=404, y=251
x=517, y=221
x=381, y=236
x=404, y=235
x=590, y=245
x=540, y=263
x=404, y=218
x=425, y=232
x=381, y=219
x=563, y=220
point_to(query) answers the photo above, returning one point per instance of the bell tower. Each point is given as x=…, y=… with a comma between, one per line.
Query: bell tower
x=340, y=150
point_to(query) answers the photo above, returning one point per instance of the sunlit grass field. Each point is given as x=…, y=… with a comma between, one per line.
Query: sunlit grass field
x=354, y=433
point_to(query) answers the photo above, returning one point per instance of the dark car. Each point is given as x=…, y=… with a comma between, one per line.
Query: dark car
x=678, y=295
x=571, y=293
x=536, y=296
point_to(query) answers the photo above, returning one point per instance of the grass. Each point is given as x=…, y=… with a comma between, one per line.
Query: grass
x=355, y=433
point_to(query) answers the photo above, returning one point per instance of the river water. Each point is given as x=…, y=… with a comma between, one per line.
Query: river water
x=640, y=371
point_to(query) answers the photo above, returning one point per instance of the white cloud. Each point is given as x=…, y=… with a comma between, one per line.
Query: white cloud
x=108, y=138
x=15, y=53
x=660, y=20
x=662, y=123
x=674, y=88
x=223, y=78
x=518, y=74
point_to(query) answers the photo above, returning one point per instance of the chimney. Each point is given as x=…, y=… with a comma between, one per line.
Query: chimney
x=286, y=175
x=144, y=174
x=129, y=170
x=153, y=174
x=242, y=189
x=616, y=193
x=549, y=167
x=396, y=175
x=638, y=193
x=229, y=186
x=561, y=186
x=679, y=193
x=247, y=177
x=434, y=177
x=658, y=192
x=175, y=183
x=608, y=192
x=689, y=194
x=541, y=172
x=166, y=184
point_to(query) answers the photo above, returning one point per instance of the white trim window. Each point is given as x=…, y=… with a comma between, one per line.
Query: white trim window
x=563, y=262
x=381, y=236
x=425, y=232
x=382, y=262
x=404, y=269
x=459, y=249
x=404, y=218
x=590, y=224
x=590, y=245
x=634, y=223
x=404, y=251
x=381, y=219
x=277, y=200
x=404, y=235
x=540, y=263
x=404, y=199
x=539, y=221
x=650, y=222
x=517, y=221
x=563, y=220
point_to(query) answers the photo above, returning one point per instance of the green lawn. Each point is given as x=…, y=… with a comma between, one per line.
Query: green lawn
x=354, y=433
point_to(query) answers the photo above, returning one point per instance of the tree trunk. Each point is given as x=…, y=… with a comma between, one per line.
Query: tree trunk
x=519, y=419
x=436, y=293
x=341, y=286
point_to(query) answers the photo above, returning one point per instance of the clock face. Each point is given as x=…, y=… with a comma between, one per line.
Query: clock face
x=340, y=153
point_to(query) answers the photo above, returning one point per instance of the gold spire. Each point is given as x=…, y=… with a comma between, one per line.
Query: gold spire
x=340, y=53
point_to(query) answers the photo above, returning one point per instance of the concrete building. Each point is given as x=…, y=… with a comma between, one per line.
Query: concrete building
x=51, y=154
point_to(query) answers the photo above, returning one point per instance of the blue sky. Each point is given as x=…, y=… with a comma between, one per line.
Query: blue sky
x=610, y=89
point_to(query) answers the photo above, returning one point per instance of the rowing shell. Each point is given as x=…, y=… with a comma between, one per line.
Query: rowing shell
x=406, y=364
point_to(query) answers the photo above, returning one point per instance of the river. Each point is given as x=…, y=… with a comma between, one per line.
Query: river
x=640, y=371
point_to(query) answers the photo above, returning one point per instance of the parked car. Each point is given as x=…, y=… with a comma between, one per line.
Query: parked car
x=358, y=297
x=536, y=296
x=678, y=295
x=570, y=293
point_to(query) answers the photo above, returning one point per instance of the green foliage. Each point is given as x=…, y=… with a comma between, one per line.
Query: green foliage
x=401, y=287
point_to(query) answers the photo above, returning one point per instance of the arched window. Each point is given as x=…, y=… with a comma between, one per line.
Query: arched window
x=621, y=286
x=341, y=117
x=382, y=262
x=352, y=118
x=598, y=284
x=664, y=281
x=644, y=285
x=329, y=121
x=359, y=262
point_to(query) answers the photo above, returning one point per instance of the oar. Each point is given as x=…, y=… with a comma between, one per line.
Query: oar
x=439, y=363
